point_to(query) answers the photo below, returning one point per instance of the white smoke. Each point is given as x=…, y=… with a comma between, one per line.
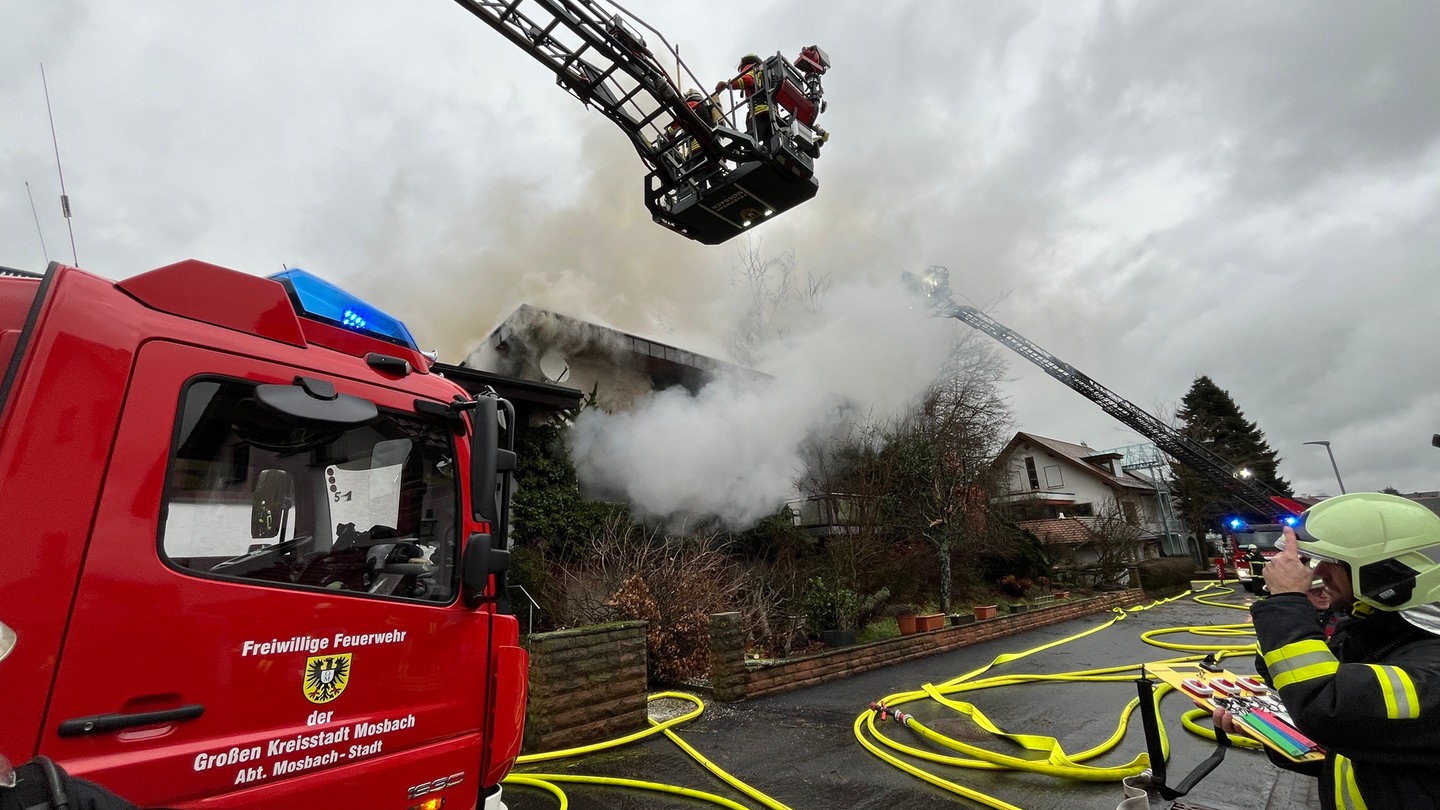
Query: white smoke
x=733, y=449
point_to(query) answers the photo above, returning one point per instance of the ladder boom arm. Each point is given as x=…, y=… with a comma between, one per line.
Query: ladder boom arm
x=599, y=60
x=1204, y=462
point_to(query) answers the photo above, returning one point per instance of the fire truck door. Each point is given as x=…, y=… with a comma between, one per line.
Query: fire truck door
x=268, y=612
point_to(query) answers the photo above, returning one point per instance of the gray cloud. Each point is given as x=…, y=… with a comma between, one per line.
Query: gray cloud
x=1153, y=191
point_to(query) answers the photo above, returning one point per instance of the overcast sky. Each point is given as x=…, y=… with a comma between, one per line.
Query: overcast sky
x=1153, y=191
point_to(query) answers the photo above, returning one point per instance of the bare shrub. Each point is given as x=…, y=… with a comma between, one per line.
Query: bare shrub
x=768, y=602
x=674, y=583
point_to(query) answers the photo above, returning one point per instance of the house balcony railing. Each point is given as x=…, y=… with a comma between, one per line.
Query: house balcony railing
x=1056, y=496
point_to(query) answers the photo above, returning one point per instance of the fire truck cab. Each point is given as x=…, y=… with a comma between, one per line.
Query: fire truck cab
x=254, y=547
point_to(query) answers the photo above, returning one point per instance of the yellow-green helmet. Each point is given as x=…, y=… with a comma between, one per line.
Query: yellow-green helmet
x=1390, y=543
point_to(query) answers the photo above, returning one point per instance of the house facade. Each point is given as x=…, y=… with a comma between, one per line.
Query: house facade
x=622, y=369
x=1092, y=507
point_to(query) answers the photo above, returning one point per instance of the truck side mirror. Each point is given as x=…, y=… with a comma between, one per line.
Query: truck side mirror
x=272, y=500
x=490, y=463
x=483, y=458
x=482, y=560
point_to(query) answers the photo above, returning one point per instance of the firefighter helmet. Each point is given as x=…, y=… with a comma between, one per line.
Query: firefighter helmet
x=1391, y=545
x=693, y=95
x=748, y=60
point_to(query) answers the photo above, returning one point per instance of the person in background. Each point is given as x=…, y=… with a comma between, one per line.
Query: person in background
x=1371, y=695
x=1256, y=563
x=1324, y=609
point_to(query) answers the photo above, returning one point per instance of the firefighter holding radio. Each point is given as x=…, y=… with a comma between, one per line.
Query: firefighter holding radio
x=1371, y=695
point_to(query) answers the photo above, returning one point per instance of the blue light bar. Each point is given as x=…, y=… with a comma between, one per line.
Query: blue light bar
x=322, y=301
x=1237, y=523
x=1291, y=520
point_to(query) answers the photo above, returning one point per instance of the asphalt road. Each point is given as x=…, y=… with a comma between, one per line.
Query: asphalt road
x=799, y=747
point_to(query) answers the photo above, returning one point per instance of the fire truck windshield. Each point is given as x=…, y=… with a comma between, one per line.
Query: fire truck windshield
x=366, y=509
x=1263, y=539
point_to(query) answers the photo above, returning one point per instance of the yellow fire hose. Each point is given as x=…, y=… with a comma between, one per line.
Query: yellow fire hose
x=1047, y=756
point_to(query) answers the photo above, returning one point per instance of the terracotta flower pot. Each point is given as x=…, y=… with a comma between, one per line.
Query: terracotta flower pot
x=907, y=622
x=930, y=621
x=985, y=611
x=1062, y=594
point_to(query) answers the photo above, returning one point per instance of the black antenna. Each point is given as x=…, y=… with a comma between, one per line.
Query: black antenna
x=36, y=214
x=64, y=198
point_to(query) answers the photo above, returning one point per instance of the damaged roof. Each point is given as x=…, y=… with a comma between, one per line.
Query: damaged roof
x=530, y=334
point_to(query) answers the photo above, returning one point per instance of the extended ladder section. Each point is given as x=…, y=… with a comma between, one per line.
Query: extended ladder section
x=708, y=180
x=599, y=59
x=934, y=284
x=1200, y=459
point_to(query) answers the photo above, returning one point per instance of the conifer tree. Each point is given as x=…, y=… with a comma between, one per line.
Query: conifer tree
x=1209, y=416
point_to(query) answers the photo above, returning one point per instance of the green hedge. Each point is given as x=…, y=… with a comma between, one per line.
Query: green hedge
x=1166, y=575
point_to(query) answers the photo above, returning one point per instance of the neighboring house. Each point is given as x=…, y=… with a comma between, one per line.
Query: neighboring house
x=1430, y=500
x=1072, y=496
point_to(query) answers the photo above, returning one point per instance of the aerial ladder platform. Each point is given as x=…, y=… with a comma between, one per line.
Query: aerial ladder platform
x=710, y=178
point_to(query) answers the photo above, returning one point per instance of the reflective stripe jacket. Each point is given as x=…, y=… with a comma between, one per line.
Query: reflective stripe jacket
x=1371, y=698
x=749, y=83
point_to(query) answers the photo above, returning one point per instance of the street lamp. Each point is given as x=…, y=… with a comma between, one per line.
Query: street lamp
x=1326, y=445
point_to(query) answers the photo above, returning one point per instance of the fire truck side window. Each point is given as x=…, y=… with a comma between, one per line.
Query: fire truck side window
x=366, y=510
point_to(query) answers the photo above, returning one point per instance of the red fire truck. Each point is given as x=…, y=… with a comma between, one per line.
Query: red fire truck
x=1249, y=562
x=255, y=547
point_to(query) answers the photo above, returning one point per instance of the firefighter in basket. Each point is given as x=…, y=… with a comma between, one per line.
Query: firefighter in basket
x=750, y=81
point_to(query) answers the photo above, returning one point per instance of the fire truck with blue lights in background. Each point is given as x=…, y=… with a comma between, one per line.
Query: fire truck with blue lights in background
x=255, y=548
x=1251, y=545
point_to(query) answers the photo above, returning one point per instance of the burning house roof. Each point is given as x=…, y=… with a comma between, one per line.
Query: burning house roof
x=537, y=344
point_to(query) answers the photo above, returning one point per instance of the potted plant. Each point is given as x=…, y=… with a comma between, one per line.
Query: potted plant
x=1017, y=607
x=929, y=621
x=831, y=612
x=985, y=612
x=905, y=619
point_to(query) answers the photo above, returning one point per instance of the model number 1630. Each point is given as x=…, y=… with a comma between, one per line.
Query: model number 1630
x=435, y=784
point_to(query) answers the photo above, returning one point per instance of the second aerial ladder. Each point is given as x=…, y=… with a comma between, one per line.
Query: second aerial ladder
x=1213, y=469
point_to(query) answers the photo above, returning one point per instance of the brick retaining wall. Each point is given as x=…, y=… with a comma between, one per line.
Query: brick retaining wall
x=589, y=684
x=734, y=678
x=586, y=685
